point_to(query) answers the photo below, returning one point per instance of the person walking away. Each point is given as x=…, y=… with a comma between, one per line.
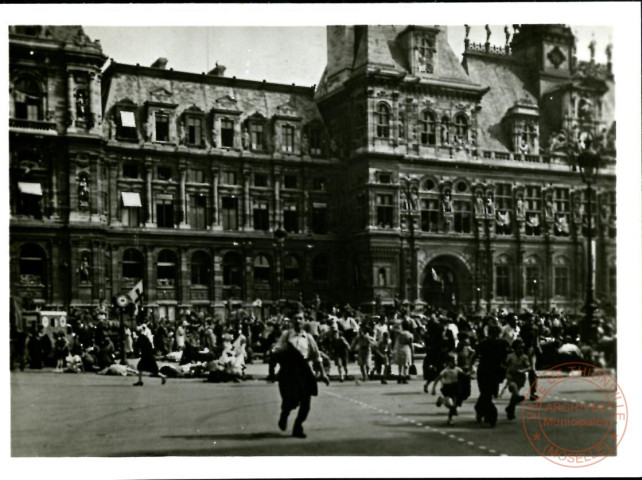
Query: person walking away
x=465, y=354
x=382, y=353
x=297, y=383
x=363, y=344
x=449, y=378
x=147, y=362
x=403, y=351
x=518, y=364
x=339, y=349
x=492, y=355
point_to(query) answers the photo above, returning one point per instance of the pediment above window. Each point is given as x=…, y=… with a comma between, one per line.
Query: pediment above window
x=226, y=104
x=287, y=111
x=160, y=95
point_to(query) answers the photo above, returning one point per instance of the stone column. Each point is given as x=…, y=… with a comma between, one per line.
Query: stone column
x=182, y=198
x=71, y=104
x=148, y=193
x=112, y=173
x=278, y=210
x=247, y=175
x=95, y=101
x=216, y=211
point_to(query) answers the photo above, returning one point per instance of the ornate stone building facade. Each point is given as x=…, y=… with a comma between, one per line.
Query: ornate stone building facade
x=405, y=173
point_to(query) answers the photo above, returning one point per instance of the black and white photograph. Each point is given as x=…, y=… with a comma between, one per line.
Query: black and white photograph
x=350, y=235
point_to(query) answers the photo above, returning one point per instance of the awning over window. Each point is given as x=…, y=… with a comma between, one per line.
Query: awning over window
x=131, y=199
x=127, y=119
x=30, y=188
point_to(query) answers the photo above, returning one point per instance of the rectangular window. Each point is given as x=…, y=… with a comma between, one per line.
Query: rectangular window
x=291, y=218
x=261, y=215
x=165, y=213
x=315, y=141
x=193, y=134
x=164, y=173
x=130, y=216
x=385, y=178
x=502, y=279
x=562, y=200
x=384, y=211
x=287, y=138
x=195, y=175
x=130, y=170
x=290, y=181
x=260, y=180
x=594, y=210
x=561, y=281
x=29, y=199
x=198, y=211
x=462, y=216
x=430, y=215
x=229, y=213
x=162, y=126
x=228, y=178
x=227, y=133
x=319, y=224
x=532, y=281
x=256, y=133
x=127, y=125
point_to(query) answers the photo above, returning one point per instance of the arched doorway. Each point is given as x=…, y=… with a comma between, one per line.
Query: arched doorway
x=447, y=283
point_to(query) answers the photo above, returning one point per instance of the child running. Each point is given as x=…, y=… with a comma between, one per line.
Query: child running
x=449, y=378
x=340, y=348
x=517, y=366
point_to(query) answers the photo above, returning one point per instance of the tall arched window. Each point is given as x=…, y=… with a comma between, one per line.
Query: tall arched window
x=532, y=278
x=445, y=130
x=232, y=270
x=320, y=268
x=166, y=268
x=292, y=271
x=28, y=99
x=200, y=268
x=561, y=272
x=133, y=265
x=32, y=265
x=461, y=126
x=428, y=136
x=262, y=270
x=382, y=120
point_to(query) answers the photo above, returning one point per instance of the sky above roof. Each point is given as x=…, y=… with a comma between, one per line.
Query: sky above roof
x=277, y=54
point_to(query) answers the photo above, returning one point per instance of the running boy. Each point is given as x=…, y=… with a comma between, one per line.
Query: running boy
x=449, y=378
x=517, y=366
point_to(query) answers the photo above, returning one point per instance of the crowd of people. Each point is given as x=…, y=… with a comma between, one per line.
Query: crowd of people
x=456, y=347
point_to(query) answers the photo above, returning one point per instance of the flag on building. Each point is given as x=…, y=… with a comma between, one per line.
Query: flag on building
x=135, y=295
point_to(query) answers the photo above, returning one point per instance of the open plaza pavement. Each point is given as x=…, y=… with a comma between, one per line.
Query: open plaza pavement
x=79, y=415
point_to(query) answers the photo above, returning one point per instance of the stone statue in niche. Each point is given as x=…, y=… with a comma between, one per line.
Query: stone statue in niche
x=247, y=142
x=276, y=144
x=490, y=204
x=585, y=109
x=149, y=128
x=479, y=205
x=214, y=134
x=305, y=144
x=83, y=269
x=81, y=105
x=446, y=203
x=549, y=209
x=520, y=208
x=524, y=148
x=414, y=198
x=181, y=132
x=404, y=200
x=83, y=191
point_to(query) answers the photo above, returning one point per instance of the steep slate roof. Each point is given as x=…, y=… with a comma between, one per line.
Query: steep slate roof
x=503, y=76
x=187, y=90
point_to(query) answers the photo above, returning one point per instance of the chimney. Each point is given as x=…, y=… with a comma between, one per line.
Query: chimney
x=160, y=63
x=217, y=71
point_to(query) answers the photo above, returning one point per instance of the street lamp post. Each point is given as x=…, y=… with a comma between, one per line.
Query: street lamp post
x=408, y=187
x=589, y=161
x=280, y=235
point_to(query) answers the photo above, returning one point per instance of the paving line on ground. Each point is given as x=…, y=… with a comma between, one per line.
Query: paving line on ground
x=451, y=436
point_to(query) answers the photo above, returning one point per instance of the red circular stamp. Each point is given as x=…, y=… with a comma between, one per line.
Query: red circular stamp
x=580, y=416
